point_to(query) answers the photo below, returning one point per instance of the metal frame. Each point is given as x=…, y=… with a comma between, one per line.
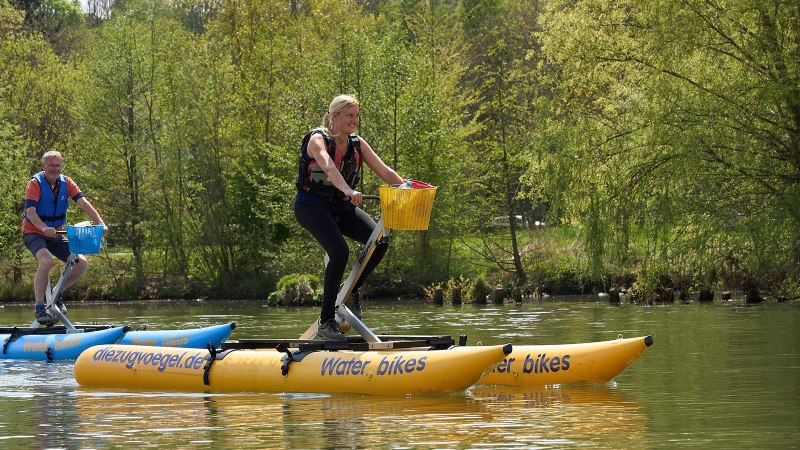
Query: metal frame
x=367, y=340
x=51, y=295
x=438, y=342
x=379, y=235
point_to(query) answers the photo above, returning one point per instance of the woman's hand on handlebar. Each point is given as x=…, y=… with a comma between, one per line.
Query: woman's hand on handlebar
x=356, y=197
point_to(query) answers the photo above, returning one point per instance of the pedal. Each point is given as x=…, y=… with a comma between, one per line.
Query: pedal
x=55, y=315
x=49, y=323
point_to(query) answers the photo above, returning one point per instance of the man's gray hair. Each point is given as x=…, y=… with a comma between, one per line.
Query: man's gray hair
x=49, y=155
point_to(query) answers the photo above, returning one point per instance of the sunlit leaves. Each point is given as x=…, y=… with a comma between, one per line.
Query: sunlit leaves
x=685, y=116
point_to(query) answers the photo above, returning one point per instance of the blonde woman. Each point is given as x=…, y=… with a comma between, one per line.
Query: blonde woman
x=327, y=201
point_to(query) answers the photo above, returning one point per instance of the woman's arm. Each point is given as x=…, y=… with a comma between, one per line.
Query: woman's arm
x=316, y=149
x=374, y=162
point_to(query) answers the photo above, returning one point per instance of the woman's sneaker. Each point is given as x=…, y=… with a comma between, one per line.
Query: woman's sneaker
x=328, y=330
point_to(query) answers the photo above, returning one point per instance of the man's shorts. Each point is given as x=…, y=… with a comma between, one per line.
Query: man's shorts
x=58, y=245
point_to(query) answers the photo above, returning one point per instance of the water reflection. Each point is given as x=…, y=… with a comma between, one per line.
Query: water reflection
x=517, y=417
x=577, y=413
x=31, y=403
x=273, y=420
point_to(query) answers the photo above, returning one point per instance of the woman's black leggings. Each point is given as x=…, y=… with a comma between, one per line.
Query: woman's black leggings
x=329, y=229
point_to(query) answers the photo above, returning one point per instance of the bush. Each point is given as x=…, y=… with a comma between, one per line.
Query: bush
x=13, y=292
x=479, y=292
x=296, y=290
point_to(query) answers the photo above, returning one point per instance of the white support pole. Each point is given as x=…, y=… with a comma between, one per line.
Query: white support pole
x=51, y=295
x=378, y=234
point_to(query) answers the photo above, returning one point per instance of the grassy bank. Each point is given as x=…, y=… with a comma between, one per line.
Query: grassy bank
x=554, y=261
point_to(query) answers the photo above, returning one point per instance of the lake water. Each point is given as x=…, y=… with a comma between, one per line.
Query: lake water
x=725, y=375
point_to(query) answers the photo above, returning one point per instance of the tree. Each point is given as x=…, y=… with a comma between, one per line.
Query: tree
x=434, y=129
x=118, y=110
x=59, y=22
x=505, y=76
x=34, y=118
x=641, y=115
x=12, y=157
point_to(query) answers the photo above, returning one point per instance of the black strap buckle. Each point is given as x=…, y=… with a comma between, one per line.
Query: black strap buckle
x=290, y=357
x=212, y=356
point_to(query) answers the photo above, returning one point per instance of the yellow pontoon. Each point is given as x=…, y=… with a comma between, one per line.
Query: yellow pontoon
x=377, y=372
x=540, y=365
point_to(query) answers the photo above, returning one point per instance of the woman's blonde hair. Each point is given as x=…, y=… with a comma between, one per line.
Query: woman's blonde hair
x=338, y=104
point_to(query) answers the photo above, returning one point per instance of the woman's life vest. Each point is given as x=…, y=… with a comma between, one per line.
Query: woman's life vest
x=51, y=209
x=311, y=178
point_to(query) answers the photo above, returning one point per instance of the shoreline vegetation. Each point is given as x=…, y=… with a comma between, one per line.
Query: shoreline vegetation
x=577, y=147
x=108, y=279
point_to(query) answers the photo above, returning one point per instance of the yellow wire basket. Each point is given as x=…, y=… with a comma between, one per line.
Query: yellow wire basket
x=407, y=207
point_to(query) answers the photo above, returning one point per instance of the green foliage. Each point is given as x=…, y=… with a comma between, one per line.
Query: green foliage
x=642, y=129
x=479, y=291
x=58, y=21
x=461, y=283
x=11, y=157
x=16, y=291
x=293, y=279
x=33, y=119
x=296, y=289
x=609, y=121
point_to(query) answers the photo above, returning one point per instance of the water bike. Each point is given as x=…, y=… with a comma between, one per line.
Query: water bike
x=407, y=365
x=67, y=341
x=369, y=363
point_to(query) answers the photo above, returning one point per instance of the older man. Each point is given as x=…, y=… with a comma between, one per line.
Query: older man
x=46, y=200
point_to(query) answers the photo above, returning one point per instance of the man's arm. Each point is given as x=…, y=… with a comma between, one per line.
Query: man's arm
x=37, y=221
x=92, y=213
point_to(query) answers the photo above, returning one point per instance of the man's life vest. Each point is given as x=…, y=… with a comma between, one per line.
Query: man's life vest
x=52, y=210
x=311, y=178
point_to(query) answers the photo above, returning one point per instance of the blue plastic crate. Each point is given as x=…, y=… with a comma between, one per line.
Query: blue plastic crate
x=85, y=240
